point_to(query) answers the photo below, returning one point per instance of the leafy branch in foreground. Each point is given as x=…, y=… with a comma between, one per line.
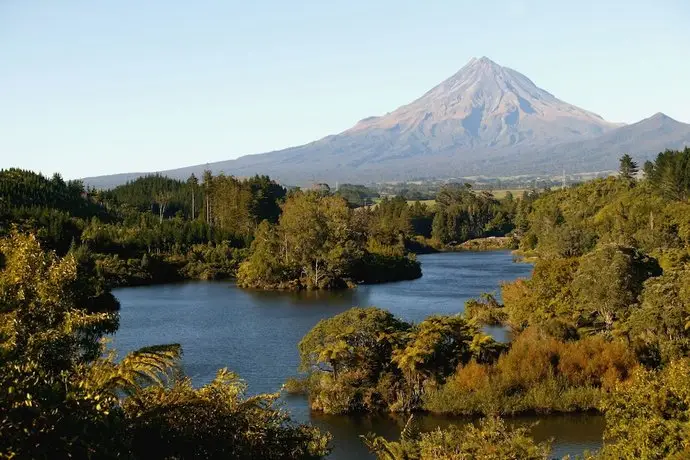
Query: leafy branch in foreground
x=490, y=439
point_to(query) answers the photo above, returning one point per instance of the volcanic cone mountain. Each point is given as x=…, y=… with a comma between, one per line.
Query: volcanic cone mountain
x=485, y=119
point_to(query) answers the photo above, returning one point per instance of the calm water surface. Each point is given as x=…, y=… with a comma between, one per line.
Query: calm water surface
x=255, y=334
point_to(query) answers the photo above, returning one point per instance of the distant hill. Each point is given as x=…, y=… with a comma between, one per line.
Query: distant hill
x=643, y=140
x=486, y=119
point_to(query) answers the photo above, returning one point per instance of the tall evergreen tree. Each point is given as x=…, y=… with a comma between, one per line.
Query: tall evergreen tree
x=628, y=168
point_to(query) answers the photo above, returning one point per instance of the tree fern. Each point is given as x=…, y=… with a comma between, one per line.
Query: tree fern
x=144, y=367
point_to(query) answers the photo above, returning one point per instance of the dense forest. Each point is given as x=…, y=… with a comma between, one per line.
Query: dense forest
x=156, y=229
x=602, y=325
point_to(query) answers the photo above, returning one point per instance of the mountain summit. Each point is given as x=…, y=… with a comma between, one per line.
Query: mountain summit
x=484, y=120
x=487, y=105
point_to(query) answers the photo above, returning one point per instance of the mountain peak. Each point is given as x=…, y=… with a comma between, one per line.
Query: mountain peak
x=485, y=105
x=661, y=116
x=482, y=64
x=482, y=60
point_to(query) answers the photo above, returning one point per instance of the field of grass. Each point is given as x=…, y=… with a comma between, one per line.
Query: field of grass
x=498, y=194
x=426, y=202
x=517, y=193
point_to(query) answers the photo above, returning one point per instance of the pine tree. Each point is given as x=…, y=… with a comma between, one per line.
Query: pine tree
x=628, y=168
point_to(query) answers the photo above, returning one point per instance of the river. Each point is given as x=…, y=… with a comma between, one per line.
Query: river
x=255, y=334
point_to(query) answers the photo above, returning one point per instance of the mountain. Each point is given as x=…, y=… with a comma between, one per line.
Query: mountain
x=642, y=140
x=486, y=119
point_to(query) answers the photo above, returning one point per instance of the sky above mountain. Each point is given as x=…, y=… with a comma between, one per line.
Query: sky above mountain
x=91, y=88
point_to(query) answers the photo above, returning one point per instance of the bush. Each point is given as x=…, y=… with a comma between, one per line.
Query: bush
x=490, y=439
x=538, y=374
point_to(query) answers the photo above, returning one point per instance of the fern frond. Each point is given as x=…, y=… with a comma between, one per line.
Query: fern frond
x=139, y=369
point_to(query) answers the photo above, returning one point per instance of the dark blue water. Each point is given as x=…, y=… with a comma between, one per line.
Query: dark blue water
x=255, y=334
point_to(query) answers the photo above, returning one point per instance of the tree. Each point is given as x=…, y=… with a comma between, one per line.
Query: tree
x=608, y=282
x=207, y=181
x=358, y=339
x=463, y=214
x=648, y=417
x=162, y=198
x=659, y=326
x=57, y=396
x=217, y=421
x=628, y=168
x=432, y=350
x=193, y=183
x=670, y=174
x=323, y=244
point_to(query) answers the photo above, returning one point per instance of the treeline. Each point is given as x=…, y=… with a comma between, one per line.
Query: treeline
x=463, y=215
x=151, y=230
x=156, y=229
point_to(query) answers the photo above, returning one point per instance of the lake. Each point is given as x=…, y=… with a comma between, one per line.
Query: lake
x=255, y=334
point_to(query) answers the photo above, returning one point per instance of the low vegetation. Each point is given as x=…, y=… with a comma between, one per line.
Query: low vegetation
x=490, y=439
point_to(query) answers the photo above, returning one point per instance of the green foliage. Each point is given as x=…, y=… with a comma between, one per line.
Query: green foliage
x=51, y=208
x=45, y=336
x=217, y=421
x=156, y=193
x=62, y=395
x=463, y=215
x=649, y=416
x=670, y=174
x=210, y=262
x=490, y=439
x=547, y=296
x=348, y=356
x=560, y=221
x=608, y=282
x=320, y=243
x=628, y=168
x=237, y=206
x=432, y=350
x=357, y=195
x=21, y=189
x=582, y=295
x=659, y=327
x=367, y=360
x=487, y=311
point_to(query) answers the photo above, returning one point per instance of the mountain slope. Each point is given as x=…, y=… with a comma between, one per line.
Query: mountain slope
x=486, y=105
x=642, y=140
x=485, y=119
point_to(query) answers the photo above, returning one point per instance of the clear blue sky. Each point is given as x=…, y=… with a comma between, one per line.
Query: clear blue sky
x=98, y=87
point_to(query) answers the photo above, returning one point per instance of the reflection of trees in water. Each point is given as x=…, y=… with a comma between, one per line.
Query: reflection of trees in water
x=344, y=297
